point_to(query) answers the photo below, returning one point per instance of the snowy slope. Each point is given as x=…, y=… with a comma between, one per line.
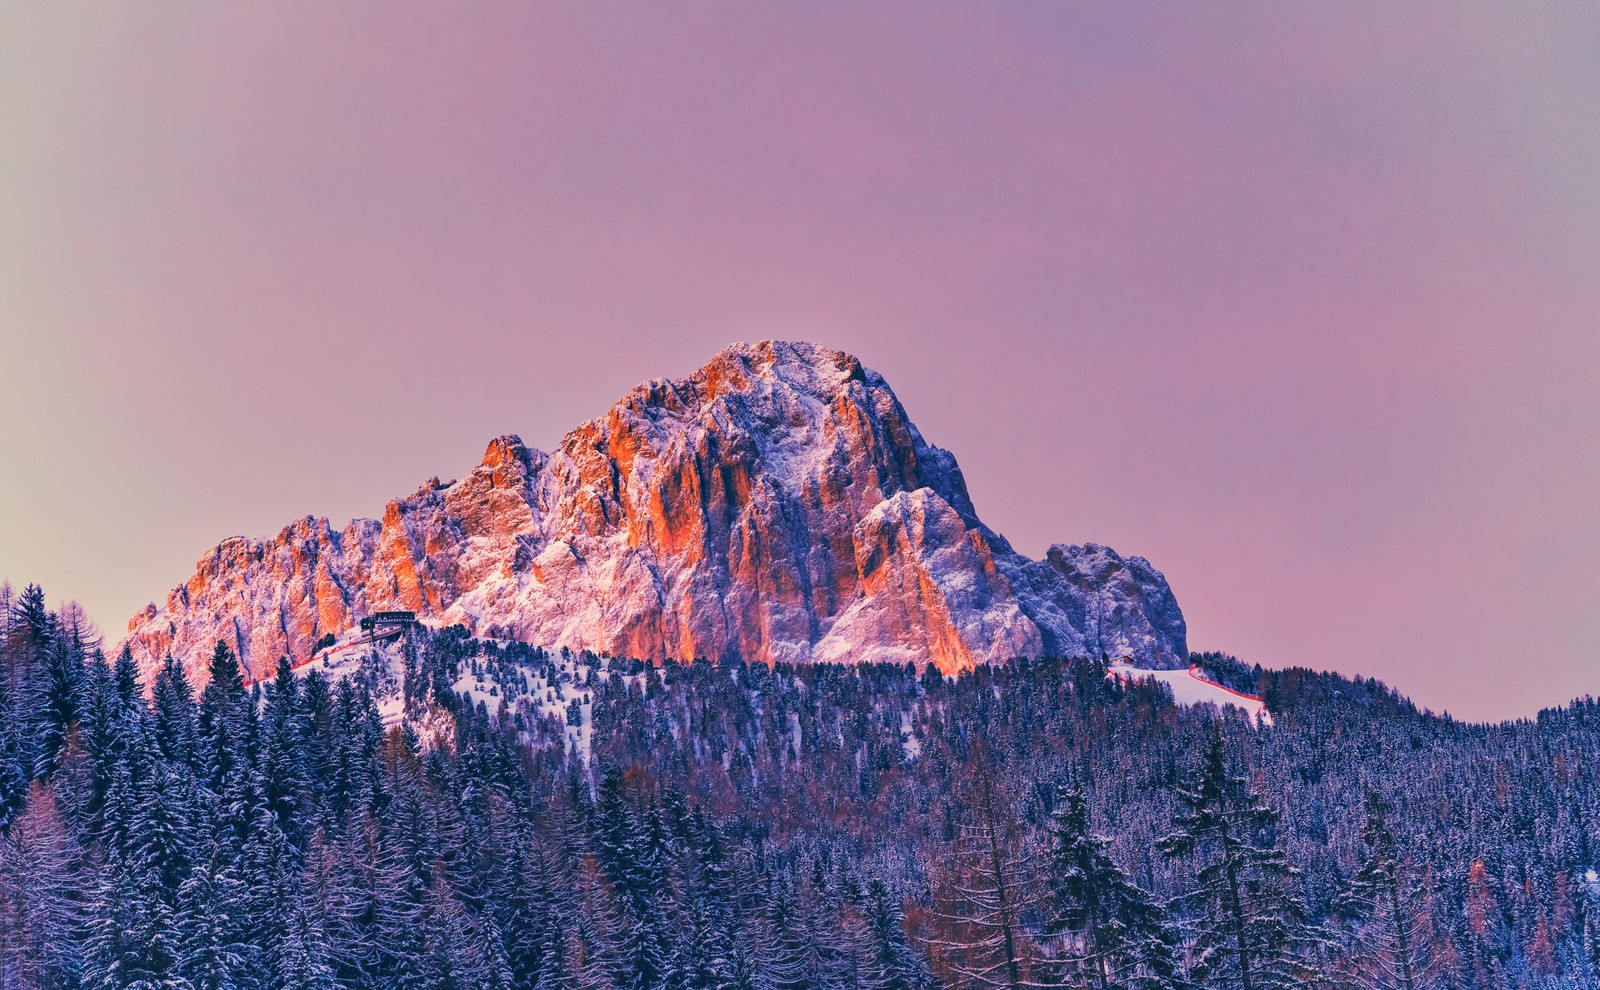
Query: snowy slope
x=1190, y=687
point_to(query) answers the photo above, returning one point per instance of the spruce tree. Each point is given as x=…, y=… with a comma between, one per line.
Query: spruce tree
x=133, y=940
x=1108, y=932
x=125, y=682
x=300, y=961
x=63, y=687
x=13, y=779
x=1252, y=923
x=283, y=770
x=222, y=720
x=174, y=715
x=210, y=955
x=895, y=966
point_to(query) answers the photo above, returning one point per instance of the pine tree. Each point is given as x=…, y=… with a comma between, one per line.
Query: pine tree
x=555, y=957
x=283, y=759
x=125, y=682
x=456, y=952
x=34, y=635
x=789, y=958
x=32, y=621
x=711, y=956
x=1485, y=926
x=63, y=687
x=398, y=899
x=165, y=826
x=630, y=855
x=300, y=960
x=174, y=715
x=132, y=940
x=1253, y=922
x=209, y=954
x=599, y=960
x=129, y=940
x=1108, y=932
x=223, y=720
x=13, y=779
x=340, y=878
x=895, y=966
x=262, y=871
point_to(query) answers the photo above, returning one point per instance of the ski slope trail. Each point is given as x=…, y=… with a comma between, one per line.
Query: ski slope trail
x=1190, y=687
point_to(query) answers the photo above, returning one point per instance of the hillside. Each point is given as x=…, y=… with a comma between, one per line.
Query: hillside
x=441, y=810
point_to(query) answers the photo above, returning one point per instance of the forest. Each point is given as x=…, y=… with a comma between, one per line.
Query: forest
x=460, y=812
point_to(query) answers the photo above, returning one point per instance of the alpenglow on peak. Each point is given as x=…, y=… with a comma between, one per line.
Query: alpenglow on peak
x=776, y=506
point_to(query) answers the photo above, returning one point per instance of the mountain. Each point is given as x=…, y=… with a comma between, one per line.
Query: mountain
x=777, y=505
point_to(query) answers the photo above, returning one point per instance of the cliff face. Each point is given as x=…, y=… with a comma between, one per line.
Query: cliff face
x=777, y=505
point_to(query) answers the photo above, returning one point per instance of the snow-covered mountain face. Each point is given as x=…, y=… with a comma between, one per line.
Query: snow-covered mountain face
x=777, y=505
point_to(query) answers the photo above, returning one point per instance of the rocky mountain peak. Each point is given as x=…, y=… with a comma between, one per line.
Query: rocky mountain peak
x=777, y=505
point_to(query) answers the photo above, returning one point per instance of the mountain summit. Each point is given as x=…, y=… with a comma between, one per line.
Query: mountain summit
x=777, y=506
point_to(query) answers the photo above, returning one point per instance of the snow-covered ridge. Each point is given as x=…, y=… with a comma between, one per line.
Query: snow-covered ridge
x=776, y=506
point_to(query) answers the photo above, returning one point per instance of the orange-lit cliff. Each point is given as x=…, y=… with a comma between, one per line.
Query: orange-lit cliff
x=777, y=505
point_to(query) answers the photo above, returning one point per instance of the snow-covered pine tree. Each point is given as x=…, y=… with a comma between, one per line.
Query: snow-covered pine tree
x=895, y=966
x=133, y=938
x=455, y=951
x=339, y=876
x=33, y=639
x=13, y=779
x=711, y=937
x=1105, y=931
x=129, y=695
x=300, y=959
x=1251, y=932
x=222, y=720
x=399, y=894
x=174, y=715
x=283, y=772
x=788, y=957
x=554, y=960
x=209, y=954
x=629, y=851
x=62, y=689
x=599, y=963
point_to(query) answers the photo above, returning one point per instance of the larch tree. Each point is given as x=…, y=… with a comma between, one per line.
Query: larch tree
x=988, y=889
x=1386, y=908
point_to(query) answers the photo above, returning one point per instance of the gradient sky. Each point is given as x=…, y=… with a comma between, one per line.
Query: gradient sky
x=1300, y=301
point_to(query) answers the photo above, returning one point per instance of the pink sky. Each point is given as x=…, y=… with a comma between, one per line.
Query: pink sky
x=1301, y=302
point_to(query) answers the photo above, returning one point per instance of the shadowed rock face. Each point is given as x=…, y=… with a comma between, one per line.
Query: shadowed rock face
x=776, y=506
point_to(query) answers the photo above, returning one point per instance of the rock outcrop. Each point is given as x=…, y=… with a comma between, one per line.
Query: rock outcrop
x=777, y=506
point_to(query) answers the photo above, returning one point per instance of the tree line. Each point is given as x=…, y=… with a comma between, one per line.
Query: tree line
x=698, y=826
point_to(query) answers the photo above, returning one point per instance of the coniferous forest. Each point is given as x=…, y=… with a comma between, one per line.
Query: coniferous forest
x=574, y=822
